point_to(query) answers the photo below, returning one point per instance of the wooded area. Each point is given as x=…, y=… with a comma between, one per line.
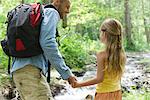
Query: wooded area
x=79, y=31
x=133, y=15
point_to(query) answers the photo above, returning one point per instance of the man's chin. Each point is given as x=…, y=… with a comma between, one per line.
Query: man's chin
x=61, y=17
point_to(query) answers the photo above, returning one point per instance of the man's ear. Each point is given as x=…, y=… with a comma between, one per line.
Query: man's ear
x=56, y=2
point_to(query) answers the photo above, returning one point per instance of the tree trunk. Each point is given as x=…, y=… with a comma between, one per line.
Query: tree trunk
x=147, y=29
x=22, y=1
x=128, y=25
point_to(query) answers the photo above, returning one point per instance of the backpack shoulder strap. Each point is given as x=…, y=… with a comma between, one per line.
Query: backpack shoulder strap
x=51, y=6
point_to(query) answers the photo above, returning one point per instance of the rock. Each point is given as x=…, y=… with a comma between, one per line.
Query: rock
x=56, y=89
x=89, y=97
x=10, y=93
x=78, y=73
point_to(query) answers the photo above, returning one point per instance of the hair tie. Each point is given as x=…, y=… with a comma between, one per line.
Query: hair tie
x=119, y=42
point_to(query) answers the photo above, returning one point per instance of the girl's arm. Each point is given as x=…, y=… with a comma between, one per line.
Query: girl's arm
x=100, y=72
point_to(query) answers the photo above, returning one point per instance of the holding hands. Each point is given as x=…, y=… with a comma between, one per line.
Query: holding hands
x=73, y=82
x=75, y=85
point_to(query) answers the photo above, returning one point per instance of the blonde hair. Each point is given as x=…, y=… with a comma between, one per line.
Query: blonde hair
x=115, y=55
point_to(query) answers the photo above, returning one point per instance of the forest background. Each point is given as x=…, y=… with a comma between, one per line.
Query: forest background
x=79, y=41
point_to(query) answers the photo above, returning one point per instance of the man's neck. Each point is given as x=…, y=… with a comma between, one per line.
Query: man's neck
x=54, y=5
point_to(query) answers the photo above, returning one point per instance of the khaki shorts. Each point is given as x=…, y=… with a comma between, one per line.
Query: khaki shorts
x=31, y=84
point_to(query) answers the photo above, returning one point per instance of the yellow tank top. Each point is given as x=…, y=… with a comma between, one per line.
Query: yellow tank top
x=109, y=84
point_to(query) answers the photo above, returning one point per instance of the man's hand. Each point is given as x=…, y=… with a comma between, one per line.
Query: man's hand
x=72, y=80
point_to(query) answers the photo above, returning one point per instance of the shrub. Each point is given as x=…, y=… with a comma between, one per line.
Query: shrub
x=73, y=51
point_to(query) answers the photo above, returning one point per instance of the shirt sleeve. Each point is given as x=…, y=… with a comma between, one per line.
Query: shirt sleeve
x=49, y=44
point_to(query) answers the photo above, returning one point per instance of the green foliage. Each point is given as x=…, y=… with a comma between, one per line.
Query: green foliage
x=32, y=1
x=2, y=26
x=146, y=61
x=74, y=53
x=3, y=60
x=84, y=21
x=136, y=96
x=4, y=79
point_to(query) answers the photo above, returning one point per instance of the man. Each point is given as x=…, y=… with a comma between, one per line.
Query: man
x=29, y=73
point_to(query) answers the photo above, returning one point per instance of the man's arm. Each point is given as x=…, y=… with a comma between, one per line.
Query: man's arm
x=50, y=46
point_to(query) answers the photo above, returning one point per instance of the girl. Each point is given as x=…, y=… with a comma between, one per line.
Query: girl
x=110, y=63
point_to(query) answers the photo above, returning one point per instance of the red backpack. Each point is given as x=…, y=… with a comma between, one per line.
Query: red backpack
x=23, y=30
